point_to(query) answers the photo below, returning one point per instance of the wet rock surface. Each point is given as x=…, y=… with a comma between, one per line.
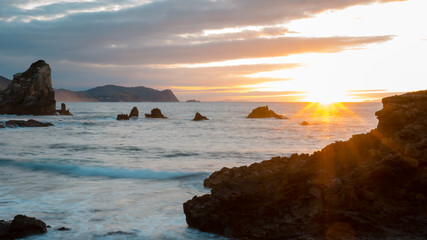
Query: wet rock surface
x=372, y=186
x=30, y=92
x=23, y=123
x=21, y=226
x=155, y=113
x=199, y=117
x=264, y=112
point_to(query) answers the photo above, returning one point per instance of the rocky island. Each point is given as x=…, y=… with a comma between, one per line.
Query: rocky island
x=372, y=186
x=30, y=92
x=264, y=112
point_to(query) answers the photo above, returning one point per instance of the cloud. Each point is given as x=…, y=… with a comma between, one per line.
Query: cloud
x=133, y=32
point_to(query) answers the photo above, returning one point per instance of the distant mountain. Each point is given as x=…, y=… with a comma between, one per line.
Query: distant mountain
x=112, y=93
x=3, y=83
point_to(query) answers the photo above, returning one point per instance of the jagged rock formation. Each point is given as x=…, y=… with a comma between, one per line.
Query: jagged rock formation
x=199, y=117
x=64, y=110
x=373, y=186
x=22, y=123
x=264, y=112
x=134, y=113
x=30, y=93
x=21, y=226
x=155, y=113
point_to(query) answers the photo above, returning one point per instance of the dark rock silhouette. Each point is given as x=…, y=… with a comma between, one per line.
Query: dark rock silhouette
x=64, y=110
x=21, y=226
x=134, y=113
x=192, y=100
x=63, y=229
x=305, y=123
x=122, y=117
x=22, y=123
x=30, y=93
x=155, y=113
x=373, y=186
x=199, y=117
x=264, y=112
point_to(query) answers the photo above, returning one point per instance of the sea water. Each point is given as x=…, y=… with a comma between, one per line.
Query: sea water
x=109, y=179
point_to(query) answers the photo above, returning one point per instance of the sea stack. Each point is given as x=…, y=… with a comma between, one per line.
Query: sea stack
x=30, y=92
x=264, y=112
x=199, y=117
x=64, y=110
x=155, y=113
x=372, y=186
x=134, y=113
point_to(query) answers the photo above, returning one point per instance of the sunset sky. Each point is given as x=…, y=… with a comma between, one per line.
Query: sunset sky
x=216, y=50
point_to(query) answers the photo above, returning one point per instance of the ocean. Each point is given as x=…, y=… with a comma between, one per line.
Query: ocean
x=109, y=179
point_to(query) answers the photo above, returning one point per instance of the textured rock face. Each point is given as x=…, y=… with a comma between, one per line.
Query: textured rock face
x=199, y=117
x=21, y=226
x=155, y=113
x=30, y=93
x=373, y=186
x=264, y=112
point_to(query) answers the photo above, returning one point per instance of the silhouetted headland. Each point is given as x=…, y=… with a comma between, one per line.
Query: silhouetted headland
x=372, y=186
x=264, y=112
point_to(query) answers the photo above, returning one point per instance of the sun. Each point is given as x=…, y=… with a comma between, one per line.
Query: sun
x=326, y=97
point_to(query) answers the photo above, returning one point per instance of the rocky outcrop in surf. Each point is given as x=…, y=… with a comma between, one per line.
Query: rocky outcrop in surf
x=264, y=112
x=134, y=113
x=199, y=117
x=22, y=123
x=64, y=110
x=30, y=92
x=372, y=186
x=21, y=226
x=155, y=113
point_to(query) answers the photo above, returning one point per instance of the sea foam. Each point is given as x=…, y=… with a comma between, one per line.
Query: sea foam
x=99, y=171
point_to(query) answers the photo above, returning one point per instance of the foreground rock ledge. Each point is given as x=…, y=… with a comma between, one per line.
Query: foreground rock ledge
x=373, y=186
x=21, y=226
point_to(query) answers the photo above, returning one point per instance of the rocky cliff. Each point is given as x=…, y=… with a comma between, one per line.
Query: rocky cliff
x=30, y=92
x=373, y=186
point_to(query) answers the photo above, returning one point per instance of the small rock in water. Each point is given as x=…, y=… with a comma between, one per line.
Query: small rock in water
x=63, y=229
x=199, y=117
x=305, y=123
x=21, y=226
x=264, y=112
x=64, y=110
x=134, y=113
x=22, y=123
x=155, y=113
